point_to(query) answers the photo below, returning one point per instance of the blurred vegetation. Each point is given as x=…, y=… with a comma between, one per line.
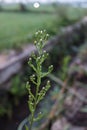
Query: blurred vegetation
x=5, y=104
x=17, y=28
x=18, y=89
x=83, y=53
x=12, y=97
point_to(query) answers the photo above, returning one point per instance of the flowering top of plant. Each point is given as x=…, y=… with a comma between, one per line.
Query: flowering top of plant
x=34, y=99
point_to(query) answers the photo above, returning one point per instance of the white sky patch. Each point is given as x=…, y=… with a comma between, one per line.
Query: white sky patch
x=42, y=1
x=36, y=5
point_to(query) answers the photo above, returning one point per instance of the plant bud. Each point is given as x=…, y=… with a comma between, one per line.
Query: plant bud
x=29, y=96
x=41, y=40
x=33, y=75
x=48, y=82
x=44, y=51
x=36, y=33
x=35, y=42
x=50, y=68
x=44, y=30
x=43, y=55
x=41, y=31
x=39, y=44
x=40, y=113
x=47, y=35
x=30, y=59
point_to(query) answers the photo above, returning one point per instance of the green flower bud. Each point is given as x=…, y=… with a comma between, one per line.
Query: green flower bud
x=48, y=82
x=35, y=42
x=50, y=68
x=47, y=35
x=41, y=31
x=30, y=59
x=36, y=33
x=44, y=51
x=41, y=40
x=44, y=30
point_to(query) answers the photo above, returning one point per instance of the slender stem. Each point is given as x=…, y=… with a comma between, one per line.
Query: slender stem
x=38, y=79
x=35, y=103
x=32, y=120
x=32, y=117
x=38, y=71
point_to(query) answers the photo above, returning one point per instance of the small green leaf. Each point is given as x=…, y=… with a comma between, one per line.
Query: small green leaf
x=40, y=115
x=26, y=127
x=27, y=85
x=50, y=68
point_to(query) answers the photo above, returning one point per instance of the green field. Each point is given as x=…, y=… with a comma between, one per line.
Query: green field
x=17, y=28
x=42, y=7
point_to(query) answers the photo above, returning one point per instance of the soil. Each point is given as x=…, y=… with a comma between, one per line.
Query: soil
x=19, y=113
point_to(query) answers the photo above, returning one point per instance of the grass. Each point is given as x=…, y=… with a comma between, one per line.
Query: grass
x=30, y=6
x=18, y=27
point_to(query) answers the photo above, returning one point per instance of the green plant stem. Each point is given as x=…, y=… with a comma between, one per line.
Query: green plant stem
x=32, y=118
x=38, y=81
x=37, y=89
x=36, y=78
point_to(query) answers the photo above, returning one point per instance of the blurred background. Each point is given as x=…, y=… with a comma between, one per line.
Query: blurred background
x=66, y=23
